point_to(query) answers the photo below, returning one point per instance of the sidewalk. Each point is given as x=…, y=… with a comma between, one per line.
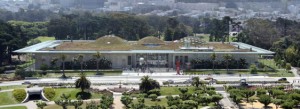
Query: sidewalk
x=28, y=105
x=295, y=71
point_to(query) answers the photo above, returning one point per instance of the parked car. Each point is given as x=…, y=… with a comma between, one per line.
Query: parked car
x=188, y=81
x=26, y=82
x=170, y=81
x=208, y=78
x=282, y=79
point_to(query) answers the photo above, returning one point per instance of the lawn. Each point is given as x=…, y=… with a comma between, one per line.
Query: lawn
x=174, y=90
x=72, y=92
x=205, y=37
x=268, y=62
x=45, y=38
x=7, y=98
x=14, y=107
x=26, y=64
x=12, y=87
x=148, y=102
x=277, y=73
x=54, y=106
x=87, y=73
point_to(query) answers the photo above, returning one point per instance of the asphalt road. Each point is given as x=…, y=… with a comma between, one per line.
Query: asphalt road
x=136, y=79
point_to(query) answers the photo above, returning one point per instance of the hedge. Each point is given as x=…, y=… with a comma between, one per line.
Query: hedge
x=49, y=93
x=19, y=94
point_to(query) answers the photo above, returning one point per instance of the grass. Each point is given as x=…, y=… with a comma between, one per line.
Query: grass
x=72, y=92
x=205, y=37
x=175, y=90
x=26, y=64
x=15, y=107
x=276, y=73
x=77, y=73
x=269, y=62
x=12, y=87
x=45, y=38
x=54, y=106
x=7, y=98
x=148, y=102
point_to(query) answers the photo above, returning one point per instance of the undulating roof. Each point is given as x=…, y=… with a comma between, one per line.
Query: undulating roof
x=150, y=40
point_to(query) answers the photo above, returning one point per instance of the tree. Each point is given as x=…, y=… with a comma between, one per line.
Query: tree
x=216, y=98
x=76, y=104
x=265, y=99
x=192, y=103
x=288, y=67
x=63, y=58
x=277, y=102
x=276, y=92
x=260, y=91
x=213, y=58
x=92, y=105
x=227, y=58
x=97, y=56
x=106, y=102
x=153, y=97
x=236, y=98
x=82, y=83
x=148, y=84
x=260, y=32
x=288, y=104
x=80, y=59
x=196, y=81
x=140, y=104
x=41, y=104
x=247, y=94
x=64, y=101
x=253, y=69
x=126, y=100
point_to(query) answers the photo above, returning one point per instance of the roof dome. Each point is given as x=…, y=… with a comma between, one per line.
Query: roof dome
x=110, y=39
x=150, y=40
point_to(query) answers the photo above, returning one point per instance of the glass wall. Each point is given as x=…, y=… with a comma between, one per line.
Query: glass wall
x=152, y=60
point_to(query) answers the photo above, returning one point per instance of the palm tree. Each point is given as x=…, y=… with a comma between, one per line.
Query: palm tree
x=97, y=56
x=80, y=59
x=63, y=58
x=82, y=83
x=227, y=57
x=148, y=84
x=213, y=58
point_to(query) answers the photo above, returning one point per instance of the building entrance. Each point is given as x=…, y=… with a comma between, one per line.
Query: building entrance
x=152, y=62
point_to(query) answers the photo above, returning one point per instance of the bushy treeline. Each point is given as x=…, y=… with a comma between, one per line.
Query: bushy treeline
x=280, y=36
x=208, y=64
x=131, y=27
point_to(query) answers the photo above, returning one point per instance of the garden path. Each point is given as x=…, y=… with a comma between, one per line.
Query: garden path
x=295, y=71
x=28, y=105
x=117, y=103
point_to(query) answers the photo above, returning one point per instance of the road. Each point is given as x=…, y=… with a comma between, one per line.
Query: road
x=136, y=79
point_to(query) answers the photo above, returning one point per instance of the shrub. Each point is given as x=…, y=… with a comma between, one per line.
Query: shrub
x=253, y=69
x=2, y=69
x=154, y=91
x=19, y=94
x=49, y=93
x=44, y=67
x=153, y=97
x=22, y=73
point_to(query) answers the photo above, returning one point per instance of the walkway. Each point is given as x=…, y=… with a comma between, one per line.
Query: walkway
x=295, y=71
x=28, y=105
x=117, y=103
x=225, y=102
